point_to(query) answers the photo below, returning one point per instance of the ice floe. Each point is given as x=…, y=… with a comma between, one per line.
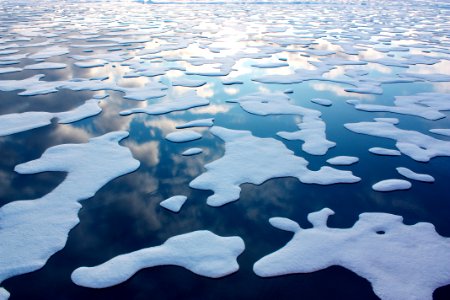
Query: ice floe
x=14, y=123
x=249, y=159
x=384, y=151
x=45, y=66
x=192, y=151
x=400, y=261
x=36, y=229
x=201, y=252
x=389, y=185
x=413, y=175
x=183, y=136
x=197, y=123
x=416, y=145
x=321, y=101
x=187, y=101
x=174, y=203
x=49, y=52
x=342, y=160
x=445, y=132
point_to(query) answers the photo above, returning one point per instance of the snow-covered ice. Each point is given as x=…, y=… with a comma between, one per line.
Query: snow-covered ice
x=413, y=175
x=183, y=136
x=192, y=151
x=402, y=262
x=342, y=160
x=384, y=151
x=389, y=185
x=201, y=252
x=174, y=203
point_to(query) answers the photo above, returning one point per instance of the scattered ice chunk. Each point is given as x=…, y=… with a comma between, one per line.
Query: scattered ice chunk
x=321, y=101
x=342, y=160
x=91, y=63
x=187, y=101
x=402, y=262
x=4, y=294
x=445, y=132
x=201, y=252
x=197, y=123
x=276, y=64
x=414, y=176
x=425, y=105
x=384, y=151
x=45, y=66
x=9, y=70
x=387, y=120
x=249, y=159
x=416, y=145
x=284, y=224
x=49, y=52
x=174, y=203
x=230, y=81
x=183, y=136
x=390, y=185
x=36, y=229
x=188, y=82
x=192, y=151
x=14, y=123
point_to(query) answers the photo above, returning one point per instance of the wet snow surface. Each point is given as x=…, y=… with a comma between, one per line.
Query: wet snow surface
x=110, y=108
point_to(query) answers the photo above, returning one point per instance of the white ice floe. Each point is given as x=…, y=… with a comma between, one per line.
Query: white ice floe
x=414, y=176
x=49, y=52
x=201, y=252
x=187, y=82
x=36, y=229
x=425, y=105
x=14, y=123
x=342, y=160
x=445, y=132
x=192, y=151
x=183, y=136
x=387, y=120
x=321, y=101
x=416, y=145
x=4, y=294
x=9, y=70
x=174, y=203
x=390, y=185
x=45, y=66
x=249, y=159
x=312, y=128
x=197, y=123
x=268, y=65
x=187, y=101
x=402, y=262
x=384, y=151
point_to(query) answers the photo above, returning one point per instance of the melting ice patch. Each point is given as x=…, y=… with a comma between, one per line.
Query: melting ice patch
x=183, y=136
x=201, y=252
x=384, y=151
x=390, y=185
x=402, y=262
x=197, y=123
x=192, y=151
x=36, y=229
x=342, y=160
x=416, y=145
x=249, y=159
x=14, y=123
x=413, y=175
x=174, y=203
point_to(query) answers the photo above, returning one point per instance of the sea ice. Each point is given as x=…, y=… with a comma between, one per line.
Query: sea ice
x=384, y=151
x=390, y=185
x=45, y=66
x=36, y=229
x=402, y=262
x=192, y=151
x=342, y=160
x=323, y=102
x=187, y=101
x=445, y=132
x=249, y=159
x=174, y=203
x=197, y=123
x=14, y=123
x=188, y=82
x=201, y=252
x=49, y=52
x=183, y=136
x=416, y=145
x=414, y=176
x=9, y=70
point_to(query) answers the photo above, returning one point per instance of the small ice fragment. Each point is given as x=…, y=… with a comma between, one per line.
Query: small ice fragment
x=390, y=185
x=414, y=176
x=192, y=151
x=201, y=252
x=445, y=132
x=197, y=123
x=45, y=66
x=384, y=151
x=174, y=203
x=323, y=102
x=387, y=120
x=342, y=160
x=183, y=136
